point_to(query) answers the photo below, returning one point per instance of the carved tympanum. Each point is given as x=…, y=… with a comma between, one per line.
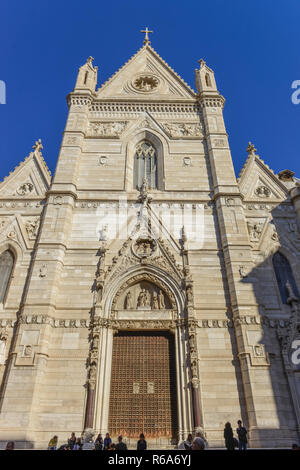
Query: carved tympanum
x=143, y=296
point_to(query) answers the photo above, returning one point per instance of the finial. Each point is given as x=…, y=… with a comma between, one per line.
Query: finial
x=251, y=149
x=146, y=31
x=38, y=145
x=202, y=63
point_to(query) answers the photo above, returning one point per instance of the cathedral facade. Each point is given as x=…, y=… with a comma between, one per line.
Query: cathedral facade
x=143, y=287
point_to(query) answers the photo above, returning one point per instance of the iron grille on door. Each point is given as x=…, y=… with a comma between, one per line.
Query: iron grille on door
x=143, y=385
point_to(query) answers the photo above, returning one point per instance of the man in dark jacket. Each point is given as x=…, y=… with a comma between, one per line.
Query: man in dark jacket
x=121, y=445
x=242, y=435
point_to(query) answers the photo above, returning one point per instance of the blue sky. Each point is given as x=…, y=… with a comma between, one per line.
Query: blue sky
x=253, y=47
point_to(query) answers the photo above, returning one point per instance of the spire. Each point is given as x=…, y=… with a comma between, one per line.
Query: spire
x=146, y=31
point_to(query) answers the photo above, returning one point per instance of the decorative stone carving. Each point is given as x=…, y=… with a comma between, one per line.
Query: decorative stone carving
x=243, y=272
x=43, y=271
x=103, y=160
x=161, y=300
x=262, y=191
x=28, y=351
x=12, y=235
x=146, y=83
x=25, y=189
x=183, y=130
x=143, y=295
x=146, y=123
x=106, y=129
x=187, y=161
x=144, y=247
x=3, y=334
x=32, y=226
x=128, y=301
x=255, y=230
x=189, y=294
x=229, y=201
x=58, y=200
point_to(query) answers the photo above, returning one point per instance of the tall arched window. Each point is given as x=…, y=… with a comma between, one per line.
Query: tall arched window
x=6, y=266
x=145, y=165
x=283, y=272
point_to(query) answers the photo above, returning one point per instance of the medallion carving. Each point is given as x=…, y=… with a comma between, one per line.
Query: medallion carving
x=25, y=189
x=146, y=83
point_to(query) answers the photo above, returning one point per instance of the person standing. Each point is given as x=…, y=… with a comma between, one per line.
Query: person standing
x=72, y=440
x=242, y=435
x=188, y=443
x=142, y=443
x=99, y=442
x=77, y=445
x=121, y=445
x=107, y=441
x=228, y=436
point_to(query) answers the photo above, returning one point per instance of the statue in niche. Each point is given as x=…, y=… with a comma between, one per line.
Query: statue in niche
x=128, y=301
x=161, y=299
x=141, y=298
x=147, y=298
x=155, y=304
x=189, y=294
x=96, y=342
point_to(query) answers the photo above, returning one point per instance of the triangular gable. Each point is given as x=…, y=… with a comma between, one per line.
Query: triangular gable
x=146, y=76
x=30, y=178
x=258, y=182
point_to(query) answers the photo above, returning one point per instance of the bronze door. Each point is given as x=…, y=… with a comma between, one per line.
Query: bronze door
x=143, y=385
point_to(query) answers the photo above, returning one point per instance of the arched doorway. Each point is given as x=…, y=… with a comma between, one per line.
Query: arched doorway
x=143, y=375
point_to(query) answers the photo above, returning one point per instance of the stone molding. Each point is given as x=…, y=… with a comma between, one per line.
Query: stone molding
x=180, y=322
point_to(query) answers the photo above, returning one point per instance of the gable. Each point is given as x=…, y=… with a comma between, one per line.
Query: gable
x=257, y=182
x=30, y=179
x=146, y=76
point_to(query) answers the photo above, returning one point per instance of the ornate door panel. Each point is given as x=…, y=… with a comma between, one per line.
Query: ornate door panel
x=143, y=385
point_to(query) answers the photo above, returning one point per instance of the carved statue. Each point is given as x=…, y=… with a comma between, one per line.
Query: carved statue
x=32, y=227
x=28, y=350
x=43, y=271
x=189, y=294
x=147, y=299
x=194, y=368
x=141, y=299
x=161, y=300
x=155, y=304
x=128, y=303
x=96, y=342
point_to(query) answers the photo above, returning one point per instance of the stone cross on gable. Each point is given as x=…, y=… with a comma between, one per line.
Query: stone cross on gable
x=251, y=149
x=146, y=31
x=38, y=145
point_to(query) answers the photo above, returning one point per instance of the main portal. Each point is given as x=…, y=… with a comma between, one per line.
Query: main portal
x=143, y=385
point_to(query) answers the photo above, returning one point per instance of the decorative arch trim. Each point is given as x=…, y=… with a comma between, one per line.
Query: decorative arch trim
x=144, y=273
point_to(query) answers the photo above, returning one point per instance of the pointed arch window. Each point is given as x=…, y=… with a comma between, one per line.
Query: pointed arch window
x=283, y=272
x=145, y=165
x=6, y=267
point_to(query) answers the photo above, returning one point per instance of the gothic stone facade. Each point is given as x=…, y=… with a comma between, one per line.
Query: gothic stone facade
x=98, y=264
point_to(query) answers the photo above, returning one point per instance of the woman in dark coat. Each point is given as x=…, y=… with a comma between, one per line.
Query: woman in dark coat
x=228, y=436
x=142, y=444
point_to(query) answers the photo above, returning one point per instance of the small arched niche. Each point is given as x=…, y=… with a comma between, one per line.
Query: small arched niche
x=143, y=295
